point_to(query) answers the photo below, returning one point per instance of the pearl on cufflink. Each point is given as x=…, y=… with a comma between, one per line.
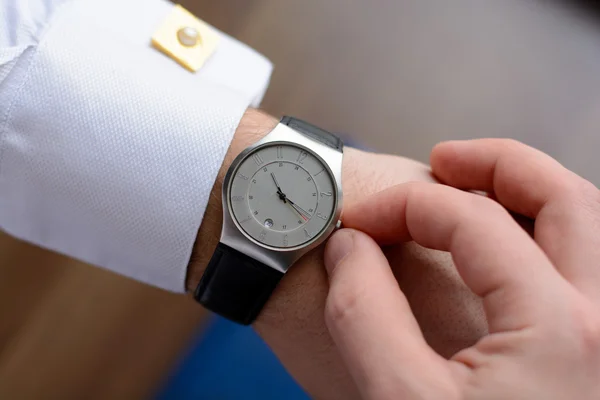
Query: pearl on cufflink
x=188, y=36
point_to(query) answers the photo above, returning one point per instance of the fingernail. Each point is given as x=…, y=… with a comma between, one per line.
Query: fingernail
x=338, y=247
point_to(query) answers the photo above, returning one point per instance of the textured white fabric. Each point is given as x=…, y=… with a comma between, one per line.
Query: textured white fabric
x=108, y=148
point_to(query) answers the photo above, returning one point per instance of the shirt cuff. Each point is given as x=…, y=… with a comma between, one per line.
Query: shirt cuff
x=108, y=148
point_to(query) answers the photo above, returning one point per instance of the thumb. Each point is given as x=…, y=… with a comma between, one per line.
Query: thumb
x=371, y=322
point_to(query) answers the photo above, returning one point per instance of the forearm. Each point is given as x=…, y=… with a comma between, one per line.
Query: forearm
x=292, y=322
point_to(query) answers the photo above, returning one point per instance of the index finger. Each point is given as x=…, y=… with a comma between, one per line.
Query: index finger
x=565, y=206
x=496, y=259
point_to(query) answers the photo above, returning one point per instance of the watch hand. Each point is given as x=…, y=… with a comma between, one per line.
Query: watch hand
x=276, y=183
x=299, y=209
x=282, y=196
x=292, y=206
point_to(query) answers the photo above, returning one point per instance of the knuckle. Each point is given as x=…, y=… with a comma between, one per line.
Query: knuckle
x=511, y=144
x=487, y=206
x=588, y=189
x=341, y=305
x=579, y=194
x=590, y=336
x=589, y=196
x=509, y=148
x=586, y=324
x=576, y=187
x=591, y=344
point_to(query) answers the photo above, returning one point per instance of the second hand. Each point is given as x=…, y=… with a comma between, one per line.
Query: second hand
x=299, y=210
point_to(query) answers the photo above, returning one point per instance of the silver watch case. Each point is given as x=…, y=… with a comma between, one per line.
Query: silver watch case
x=281, y=259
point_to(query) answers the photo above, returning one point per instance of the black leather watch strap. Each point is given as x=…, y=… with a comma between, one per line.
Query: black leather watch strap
x=314, y=132
x=235, y=285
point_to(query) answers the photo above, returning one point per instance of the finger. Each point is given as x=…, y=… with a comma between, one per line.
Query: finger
x=523, y=179
x=566, y=207
x=371, y=322
x=496, y=259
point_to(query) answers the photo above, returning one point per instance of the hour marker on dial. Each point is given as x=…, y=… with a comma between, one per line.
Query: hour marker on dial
x=301, y=157
x=323, y=217
x=258, y=159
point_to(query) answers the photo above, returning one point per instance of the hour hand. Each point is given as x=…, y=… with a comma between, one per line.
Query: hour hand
x=275, y=180
x=279, y=192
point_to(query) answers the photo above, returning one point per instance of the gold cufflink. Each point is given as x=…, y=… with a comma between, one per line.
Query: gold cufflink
x=185, y=38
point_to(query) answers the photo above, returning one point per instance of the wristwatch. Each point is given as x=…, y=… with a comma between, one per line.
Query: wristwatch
x=282, y=197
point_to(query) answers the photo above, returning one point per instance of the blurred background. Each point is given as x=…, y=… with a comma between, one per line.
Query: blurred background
x=393, y=75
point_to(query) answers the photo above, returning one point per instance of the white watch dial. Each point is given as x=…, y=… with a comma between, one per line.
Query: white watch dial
x=282, y=196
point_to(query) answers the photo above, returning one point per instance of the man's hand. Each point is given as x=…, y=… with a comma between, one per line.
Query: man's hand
x=541, y=294
x=292, y=322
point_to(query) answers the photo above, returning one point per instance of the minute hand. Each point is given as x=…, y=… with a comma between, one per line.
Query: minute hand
x=297, y=207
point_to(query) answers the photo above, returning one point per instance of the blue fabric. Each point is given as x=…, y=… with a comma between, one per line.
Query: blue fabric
x=227, y=362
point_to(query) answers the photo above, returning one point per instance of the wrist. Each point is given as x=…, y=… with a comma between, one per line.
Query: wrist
x=253, y=126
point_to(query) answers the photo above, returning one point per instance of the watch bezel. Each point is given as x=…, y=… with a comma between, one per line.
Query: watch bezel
x=281, y=258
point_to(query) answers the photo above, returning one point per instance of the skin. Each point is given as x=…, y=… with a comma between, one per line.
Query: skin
x=540, y=293
x=292, y=323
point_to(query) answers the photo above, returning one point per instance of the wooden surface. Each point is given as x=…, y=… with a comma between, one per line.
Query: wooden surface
x=397, y=75
x=70, y=331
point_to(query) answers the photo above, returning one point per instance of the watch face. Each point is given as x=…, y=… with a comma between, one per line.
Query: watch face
x=282, y=196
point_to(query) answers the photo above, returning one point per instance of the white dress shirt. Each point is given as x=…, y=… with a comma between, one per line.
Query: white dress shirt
x=108, y=148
